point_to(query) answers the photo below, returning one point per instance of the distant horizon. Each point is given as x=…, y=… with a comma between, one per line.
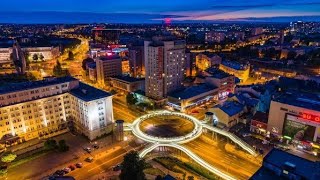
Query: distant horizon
x=58, y=17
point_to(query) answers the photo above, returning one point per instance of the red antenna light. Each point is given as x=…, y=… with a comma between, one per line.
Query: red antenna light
x=167, y=21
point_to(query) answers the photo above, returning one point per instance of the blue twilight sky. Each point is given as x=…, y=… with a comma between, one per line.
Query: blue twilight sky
x=179, y=10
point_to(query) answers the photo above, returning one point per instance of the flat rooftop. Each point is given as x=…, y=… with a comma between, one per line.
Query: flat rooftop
x=217, y=73
x=127, y=79
x=231, y=107
x=112, y=57
x=234, y=65
x=15, y=87
x=88, y=93
x=302, y=167
x=192, y=91
x=300, y=99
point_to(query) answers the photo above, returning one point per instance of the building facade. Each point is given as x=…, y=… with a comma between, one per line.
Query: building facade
x=42, y=53
x=136, y=61
x=214, y=36
x=127, y=84
x=237, y=69
x=297, y=116
x=108, y=66
x=164, y=62
x=46, y=108
x=5, y=54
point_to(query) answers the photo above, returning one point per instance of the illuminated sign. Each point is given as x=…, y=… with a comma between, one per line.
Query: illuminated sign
x=310, y=117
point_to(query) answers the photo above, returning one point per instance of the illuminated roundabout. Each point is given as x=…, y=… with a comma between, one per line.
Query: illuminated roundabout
x=176, y=142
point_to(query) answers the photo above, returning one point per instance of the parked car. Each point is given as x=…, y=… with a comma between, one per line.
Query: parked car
x=72, y=167
x=96, y=146
x=89, y=159
x=66, y=170
x=117, y=167
x=88, y=149
x=79, y=165
x=59, y=172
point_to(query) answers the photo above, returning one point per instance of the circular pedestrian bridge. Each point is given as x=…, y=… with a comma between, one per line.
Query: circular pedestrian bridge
x=138, y=132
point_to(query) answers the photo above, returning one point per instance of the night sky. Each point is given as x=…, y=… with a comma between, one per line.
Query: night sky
x=153, y=10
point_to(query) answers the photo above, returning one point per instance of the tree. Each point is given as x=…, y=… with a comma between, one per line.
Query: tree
x=85, y=62
x=3, y=171
x=70, y=55
x=35, y=57
x=41, y=57
x=132, y=167
x=131, y=99
x=63, y=147
x=7, y=158
x=50, y=144
x=58, y=71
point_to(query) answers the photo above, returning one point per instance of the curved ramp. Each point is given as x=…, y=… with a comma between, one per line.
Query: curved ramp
x=192, y=155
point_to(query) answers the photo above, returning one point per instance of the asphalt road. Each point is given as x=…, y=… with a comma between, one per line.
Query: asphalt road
x=220, y=158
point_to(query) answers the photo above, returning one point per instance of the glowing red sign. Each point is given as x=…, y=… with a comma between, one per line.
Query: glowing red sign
x=310, y=117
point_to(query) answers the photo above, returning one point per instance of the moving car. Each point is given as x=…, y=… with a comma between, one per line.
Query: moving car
x=89, y=159
x=66, y=170
x=72, y=167
x=88, y=149
x=79, y=165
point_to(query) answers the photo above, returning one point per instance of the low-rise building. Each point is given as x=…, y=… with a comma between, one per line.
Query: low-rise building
x=127, y=84
x=204, y=61
x=237, y=69
x=278, y=164
x=259, y=123
x=224, y=81
x=191, y=97
x=42, y=53
x=46, y=108
x=5, y=54
x=228, y=114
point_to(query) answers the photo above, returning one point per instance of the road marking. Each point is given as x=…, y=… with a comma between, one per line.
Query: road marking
x=106, y=162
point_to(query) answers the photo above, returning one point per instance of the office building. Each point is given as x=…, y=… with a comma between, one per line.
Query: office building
x=108, y=66
x=136, y=61
x=164, y=62
x=46, y=108
x=297, y=116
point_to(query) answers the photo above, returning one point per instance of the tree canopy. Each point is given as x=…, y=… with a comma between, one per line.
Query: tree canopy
x=85, y=62
x=58, y=71
x=132, y=167
x=7, y=158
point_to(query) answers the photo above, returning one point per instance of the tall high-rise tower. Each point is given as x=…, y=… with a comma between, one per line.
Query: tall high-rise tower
x=164, y=66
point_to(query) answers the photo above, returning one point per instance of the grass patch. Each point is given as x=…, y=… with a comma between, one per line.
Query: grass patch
x=154, y=171
x=169, y=164
x=29, y=158
x=172, y=162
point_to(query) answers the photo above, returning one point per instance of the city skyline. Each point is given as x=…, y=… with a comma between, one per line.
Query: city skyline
x=127, y=11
